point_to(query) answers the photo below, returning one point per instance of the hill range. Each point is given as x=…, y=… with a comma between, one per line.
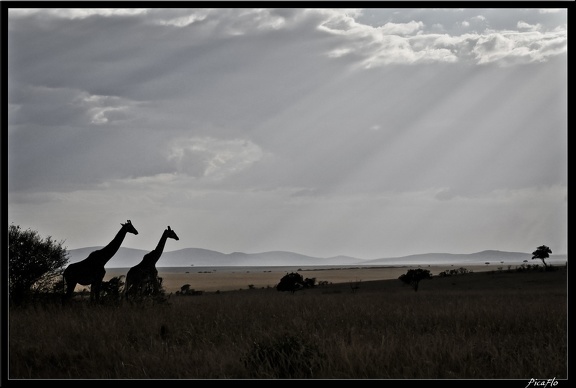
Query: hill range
x=128, y=257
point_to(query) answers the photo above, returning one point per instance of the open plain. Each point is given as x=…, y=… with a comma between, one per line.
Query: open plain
x=491, y=324
x=245, y=277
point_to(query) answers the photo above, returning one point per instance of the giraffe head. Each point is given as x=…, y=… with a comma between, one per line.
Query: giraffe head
x=171, y=234
x=129, y=227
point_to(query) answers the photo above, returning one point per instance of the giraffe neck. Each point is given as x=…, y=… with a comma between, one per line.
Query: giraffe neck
x=160, y=247
x=110, y=250
x=152, y=257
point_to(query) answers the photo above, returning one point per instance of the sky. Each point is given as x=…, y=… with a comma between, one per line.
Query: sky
x=370, y=133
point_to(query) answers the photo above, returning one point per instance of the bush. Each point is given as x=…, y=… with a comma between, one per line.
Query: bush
x=34, y=264
x=453, y=272
x=111, y=289
x=414, y=276
x=291, y=282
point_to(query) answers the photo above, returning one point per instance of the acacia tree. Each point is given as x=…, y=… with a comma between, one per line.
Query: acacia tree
x=34, y=263
x=542, y=253
x=413, y=277
x=293, y=282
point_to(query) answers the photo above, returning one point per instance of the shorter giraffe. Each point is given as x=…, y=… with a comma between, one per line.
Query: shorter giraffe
x=90, y=271
x=142, y=279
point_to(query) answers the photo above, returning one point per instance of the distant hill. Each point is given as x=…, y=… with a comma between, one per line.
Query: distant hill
x=128, y=257
x=488, y=256
x=124, y=255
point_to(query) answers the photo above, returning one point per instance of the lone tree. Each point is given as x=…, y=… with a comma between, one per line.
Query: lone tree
x=34, y=263
x=294, y=281
x=542, y=252
x=413, y=277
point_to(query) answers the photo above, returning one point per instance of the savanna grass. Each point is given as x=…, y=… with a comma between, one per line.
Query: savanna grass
x=503, y=325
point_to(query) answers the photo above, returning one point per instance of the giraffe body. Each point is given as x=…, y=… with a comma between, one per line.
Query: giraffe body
x=142, y=279
x=90, y=271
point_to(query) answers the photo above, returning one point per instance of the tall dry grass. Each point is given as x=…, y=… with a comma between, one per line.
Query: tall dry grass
x=503, y=325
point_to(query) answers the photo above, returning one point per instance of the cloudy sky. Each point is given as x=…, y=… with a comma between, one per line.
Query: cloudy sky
x=363, y=132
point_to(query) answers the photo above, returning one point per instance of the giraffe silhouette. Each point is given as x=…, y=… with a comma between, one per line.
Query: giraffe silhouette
x=90, y=271
x=142, y=279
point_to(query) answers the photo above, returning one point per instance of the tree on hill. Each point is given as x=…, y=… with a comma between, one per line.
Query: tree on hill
x=414, y=276
x=542, y=253
x=34, y=263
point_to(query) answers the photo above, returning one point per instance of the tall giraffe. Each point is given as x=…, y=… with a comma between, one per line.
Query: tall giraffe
x=90, y=271
x=142, y=279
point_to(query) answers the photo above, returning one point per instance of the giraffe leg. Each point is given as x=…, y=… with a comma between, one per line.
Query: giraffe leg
x=70, y=286
x=95, y=291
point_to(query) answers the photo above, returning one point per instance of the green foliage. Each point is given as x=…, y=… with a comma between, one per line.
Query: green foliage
x=414, y=276
x=283, y=357
x=542, y=253
x=35, y=264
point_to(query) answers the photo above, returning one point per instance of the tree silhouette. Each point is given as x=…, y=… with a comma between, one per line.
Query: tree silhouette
x=542, y=253
x=291, y=282
x=413, y=277
x=34, y=263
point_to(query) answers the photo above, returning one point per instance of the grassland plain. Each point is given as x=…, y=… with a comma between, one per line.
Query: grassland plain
x=236, y=278
x=501, y=324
